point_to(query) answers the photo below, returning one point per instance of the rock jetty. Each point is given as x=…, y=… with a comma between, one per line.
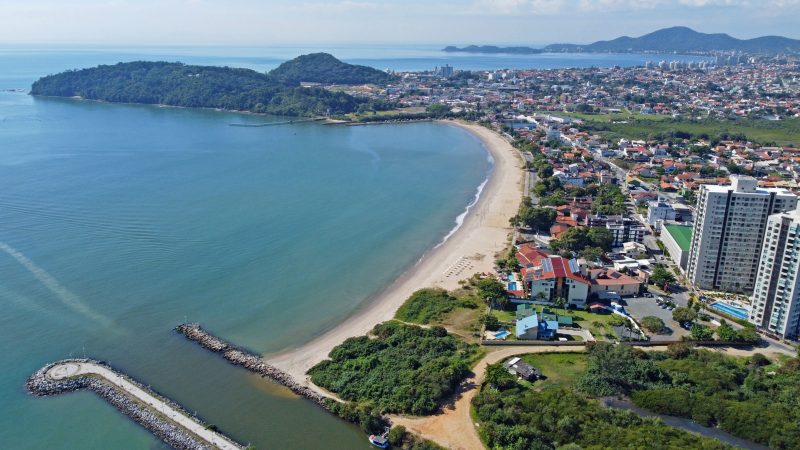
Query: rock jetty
x=43, y=383
x=249, y=361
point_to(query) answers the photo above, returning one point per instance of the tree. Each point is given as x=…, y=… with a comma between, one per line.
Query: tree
x=491, y=322
x=498, y=377
x=560, y=302
x=661, y=276
x=748, y=334
x=684, y=315
x=725, y=332
x=600, y=237
x=493, y=291
x=653, y=324
x=539, y=218
x=701, y=332
x=591, y=253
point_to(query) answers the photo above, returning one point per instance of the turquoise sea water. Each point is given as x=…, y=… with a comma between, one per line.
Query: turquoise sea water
x=118, y=222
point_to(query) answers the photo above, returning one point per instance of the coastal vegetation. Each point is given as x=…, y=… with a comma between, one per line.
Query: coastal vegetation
x=399, y=368
x=176, y=84
x=426, y=306
x=325, y=68
x=750, y=398
x=513, y=416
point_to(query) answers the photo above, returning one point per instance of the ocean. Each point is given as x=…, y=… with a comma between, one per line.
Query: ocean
x=117, y=222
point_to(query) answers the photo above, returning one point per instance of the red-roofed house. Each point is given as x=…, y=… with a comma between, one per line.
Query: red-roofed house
x=556, y=277
x=609, y=280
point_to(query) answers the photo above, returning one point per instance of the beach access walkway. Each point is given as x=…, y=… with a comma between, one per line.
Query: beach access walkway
x=71, y=369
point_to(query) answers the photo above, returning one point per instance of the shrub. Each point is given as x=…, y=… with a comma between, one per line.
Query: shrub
x=426, y=306
x=653, y=324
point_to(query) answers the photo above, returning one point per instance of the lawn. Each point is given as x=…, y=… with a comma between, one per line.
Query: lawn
x=560, y=369
x=597, y=324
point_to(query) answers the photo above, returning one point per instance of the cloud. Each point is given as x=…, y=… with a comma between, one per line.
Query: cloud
x=558, y=7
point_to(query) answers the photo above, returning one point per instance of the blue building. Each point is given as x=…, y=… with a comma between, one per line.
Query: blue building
x=531, y=328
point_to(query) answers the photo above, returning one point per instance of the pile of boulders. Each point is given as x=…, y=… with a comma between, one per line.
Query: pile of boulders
x=249, y=361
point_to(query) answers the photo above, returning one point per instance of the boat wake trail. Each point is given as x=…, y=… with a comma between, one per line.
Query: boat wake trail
x=66, y=297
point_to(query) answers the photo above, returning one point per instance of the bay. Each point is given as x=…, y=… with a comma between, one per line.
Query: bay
x=118, y=222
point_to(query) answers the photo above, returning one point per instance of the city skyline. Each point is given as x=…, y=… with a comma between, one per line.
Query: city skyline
x=247, y=22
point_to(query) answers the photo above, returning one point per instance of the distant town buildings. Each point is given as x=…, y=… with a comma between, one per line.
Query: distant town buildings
x=776, y=296
x=728, y=232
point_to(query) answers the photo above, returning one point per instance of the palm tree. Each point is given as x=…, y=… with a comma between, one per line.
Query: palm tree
x=560, y=302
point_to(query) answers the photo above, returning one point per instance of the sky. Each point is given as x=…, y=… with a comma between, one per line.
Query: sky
x=287, y=22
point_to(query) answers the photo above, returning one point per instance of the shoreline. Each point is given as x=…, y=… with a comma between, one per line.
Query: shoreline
x=483, y=233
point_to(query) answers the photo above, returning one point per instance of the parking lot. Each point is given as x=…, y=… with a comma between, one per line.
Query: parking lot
x=639, y=307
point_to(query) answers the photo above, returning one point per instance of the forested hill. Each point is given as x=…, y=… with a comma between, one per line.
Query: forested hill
x=324, y=68
x=177, y=84
x=683, y=39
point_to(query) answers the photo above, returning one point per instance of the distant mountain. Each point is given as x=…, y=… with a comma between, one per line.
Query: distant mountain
x=492, y=49
x=177, y=84
x=324, y=68
x=684, y=40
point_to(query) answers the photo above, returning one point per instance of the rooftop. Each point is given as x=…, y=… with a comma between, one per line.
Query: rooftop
x=682, y=235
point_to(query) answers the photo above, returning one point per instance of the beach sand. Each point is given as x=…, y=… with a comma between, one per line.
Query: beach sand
x=469, y=250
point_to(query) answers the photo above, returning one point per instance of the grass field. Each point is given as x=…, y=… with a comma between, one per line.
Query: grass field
x=391, y=112
x=560, y=369
x=784, y=132
x=608, y=117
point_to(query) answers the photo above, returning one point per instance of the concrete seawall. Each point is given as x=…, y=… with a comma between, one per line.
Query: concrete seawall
x=249, y=361
x=164, y=418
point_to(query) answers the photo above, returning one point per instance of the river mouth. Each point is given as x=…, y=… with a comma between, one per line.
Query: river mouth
x=683, y=423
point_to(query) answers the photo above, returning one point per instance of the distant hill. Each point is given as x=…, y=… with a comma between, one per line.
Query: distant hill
x=492, y=49
x=684, y=40
x=177, y=84
x=324, y=68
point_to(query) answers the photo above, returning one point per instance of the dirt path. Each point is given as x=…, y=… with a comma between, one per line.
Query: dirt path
x=453, y=428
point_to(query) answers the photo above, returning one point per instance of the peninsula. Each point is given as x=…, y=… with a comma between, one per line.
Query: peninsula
x=175, y=84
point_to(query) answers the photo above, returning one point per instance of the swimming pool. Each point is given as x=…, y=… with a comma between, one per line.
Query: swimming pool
x=739, y=313
x=510, y=277
x=512, y=286
x=502, y=335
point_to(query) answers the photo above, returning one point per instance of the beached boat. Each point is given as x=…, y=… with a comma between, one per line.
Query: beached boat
x=379, y=441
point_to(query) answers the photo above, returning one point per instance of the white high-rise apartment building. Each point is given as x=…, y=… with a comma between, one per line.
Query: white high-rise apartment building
x=776, y=297
x=728, y=232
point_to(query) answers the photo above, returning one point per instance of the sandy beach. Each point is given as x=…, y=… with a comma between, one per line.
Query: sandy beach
x=471, y=249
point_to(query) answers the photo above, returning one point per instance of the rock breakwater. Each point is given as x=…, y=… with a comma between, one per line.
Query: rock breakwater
x=57, y=378
x=249, y=361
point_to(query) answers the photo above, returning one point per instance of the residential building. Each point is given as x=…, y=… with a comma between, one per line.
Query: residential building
x=609, y=280
x=677, y=240
x=776, y=297
x=531, y=328
x=520, y=368
x=659, y=210
x=624, y=229
x=556, y=277
x=728, y=232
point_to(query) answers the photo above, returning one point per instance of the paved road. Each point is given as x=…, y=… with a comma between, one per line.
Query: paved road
x=66, y=370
